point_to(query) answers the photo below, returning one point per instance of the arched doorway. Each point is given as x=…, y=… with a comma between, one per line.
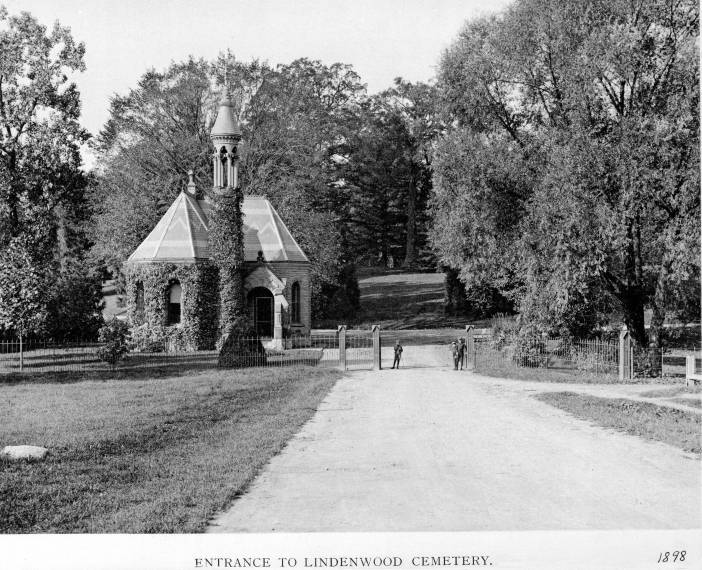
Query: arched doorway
x=261, y=311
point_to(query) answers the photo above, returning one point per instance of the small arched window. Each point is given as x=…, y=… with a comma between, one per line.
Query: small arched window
x=295, y=302
x=174, y=296
x=139, y=301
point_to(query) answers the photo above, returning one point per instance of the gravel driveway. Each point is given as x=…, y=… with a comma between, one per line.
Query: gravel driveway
x=424, y=449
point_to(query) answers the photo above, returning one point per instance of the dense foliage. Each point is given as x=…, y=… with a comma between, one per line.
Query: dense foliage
x=23, y=286
x=553, y=170
x=114, y=339
x=309, y=134
x=570, y=179
x=198, y=329
x=43, y=207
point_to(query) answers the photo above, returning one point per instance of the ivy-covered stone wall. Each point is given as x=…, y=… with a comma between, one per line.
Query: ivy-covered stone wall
x=198, y=329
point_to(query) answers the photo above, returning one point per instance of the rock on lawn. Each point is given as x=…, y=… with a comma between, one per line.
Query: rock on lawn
x=16, y=452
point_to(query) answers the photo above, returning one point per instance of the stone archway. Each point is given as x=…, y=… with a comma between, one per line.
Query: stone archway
x=263, y=278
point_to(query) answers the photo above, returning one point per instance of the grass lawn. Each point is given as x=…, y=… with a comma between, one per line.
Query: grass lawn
x=136, y=454
x=552, y=375
x=675, y=427
x=399, y=300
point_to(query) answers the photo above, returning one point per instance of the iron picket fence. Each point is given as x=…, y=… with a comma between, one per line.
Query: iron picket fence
x=589, y=356
x=320, y=350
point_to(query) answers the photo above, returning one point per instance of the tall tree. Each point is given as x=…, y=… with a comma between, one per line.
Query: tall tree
x=414, y=106
x=389, y=172
x=600, y=100
x=294, y=121
x=23, y=296
x=297, y=128
x=42, y=186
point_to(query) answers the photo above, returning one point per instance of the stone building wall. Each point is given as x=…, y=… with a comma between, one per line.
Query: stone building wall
x=199, y=302
x=291, y=272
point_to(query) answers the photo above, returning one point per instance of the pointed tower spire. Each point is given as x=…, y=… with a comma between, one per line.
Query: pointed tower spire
x=225, y=137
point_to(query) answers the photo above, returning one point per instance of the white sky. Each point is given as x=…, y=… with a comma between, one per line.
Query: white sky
x=382, y=39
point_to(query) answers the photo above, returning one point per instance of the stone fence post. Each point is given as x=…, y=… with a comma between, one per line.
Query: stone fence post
x=625, y=356
x=377, y=363
x=341, y=331
x=470, y=348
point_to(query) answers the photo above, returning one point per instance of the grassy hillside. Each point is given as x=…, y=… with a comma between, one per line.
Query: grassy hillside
x=397, y=300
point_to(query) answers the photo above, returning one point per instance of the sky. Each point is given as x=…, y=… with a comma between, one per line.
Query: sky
x=382, y=39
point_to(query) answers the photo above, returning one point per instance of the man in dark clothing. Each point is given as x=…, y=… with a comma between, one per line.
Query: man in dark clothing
x=398, y=354
x=454, y=353
x=461, y=351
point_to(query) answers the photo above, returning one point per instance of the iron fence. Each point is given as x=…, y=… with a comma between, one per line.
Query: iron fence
x=359, y=350
x=595, y=357
x=48, y=356
x=321, y=350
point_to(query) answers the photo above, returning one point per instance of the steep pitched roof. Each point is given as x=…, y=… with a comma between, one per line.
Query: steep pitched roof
x=182, y=233
x=265, y=231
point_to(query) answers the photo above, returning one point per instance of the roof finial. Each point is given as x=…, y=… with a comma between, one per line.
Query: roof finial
x=224, y=95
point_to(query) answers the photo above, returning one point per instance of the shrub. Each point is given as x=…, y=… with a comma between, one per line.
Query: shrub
x=146, y=338
x=114, y=335
x=241, y=349
x=340, y=300
x=529, y=349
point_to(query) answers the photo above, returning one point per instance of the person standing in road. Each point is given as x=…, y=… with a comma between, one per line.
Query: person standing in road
x=454, y=353
x=398, y=354
x=462, y=351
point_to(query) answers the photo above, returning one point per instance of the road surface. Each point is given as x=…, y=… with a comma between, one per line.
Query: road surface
x=429, y=449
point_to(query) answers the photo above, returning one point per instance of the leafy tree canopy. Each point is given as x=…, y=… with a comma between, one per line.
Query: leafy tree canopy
x=43, y=205
x=571, y=178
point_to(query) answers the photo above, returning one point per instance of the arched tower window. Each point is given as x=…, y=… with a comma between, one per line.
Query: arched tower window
x=139, y=301
x=295, y=302
x=175, y=293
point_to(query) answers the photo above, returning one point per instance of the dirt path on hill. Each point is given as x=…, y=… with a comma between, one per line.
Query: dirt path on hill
x=433, y=449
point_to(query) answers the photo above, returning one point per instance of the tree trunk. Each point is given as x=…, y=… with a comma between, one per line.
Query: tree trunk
x=410, y=247
x=633, y=306
x=633, y=298
x=655, y=337
x=455, y=300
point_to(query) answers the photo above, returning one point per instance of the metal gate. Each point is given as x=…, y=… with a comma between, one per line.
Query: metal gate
x=422, y=348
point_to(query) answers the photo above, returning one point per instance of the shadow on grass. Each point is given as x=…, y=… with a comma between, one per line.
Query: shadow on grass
x=131, y=370
x=132, y=373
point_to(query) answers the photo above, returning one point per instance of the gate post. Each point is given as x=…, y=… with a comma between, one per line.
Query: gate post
x=375, y=331
x=470, y=348
x=341, y=331
x=625, y=355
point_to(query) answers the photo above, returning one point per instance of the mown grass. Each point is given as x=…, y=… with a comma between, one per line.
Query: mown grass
x=137, y=455
x=668, y=425
x=399, y=300
x=551, y=375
